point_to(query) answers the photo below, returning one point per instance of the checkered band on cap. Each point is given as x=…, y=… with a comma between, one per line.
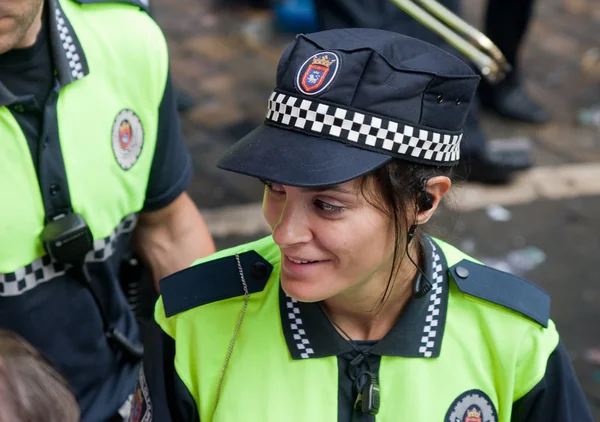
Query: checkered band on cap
x=367, y=131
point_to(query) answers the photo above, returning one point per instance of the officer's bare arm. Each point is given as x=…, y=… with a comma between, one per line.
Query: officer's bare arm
x=172, y=238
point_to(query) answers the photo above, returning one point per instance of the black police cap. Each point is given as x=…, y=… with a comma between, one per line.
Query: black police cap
x=350, y=100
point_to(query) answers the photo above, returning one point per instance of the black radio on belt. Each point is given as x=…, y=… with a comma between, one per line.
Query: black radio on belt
x=67, y=239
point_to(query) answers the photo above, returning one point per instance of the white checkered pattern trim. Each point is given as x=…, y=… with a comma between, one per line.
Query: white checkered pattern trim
x=299, y=334
x=104, y=248
x=45, y=269
x=433, y=311
x=350, y=126
x=69, y=46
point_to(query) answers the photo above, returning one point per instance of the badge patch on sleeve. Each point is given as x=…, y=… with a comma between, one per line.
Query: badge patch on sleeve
x=127, y=138
x=317, y=73
x=472, y=406
x=141, y=409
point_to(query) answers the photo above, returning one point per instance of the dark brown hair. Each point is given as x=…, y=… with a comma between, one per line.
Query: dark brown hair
x=30, y=389
x=394, y=190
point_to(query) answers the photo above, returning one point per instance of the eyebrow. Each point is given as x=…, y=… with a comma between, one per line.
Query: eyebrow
x=335, y=188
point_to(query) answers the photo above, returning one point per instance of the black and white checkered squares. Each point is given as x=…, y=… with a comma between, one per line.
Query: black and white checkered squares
x=431, y=328
x=29, y=276
x=104, y=248
x=44, y=269
x=69, y=46
x=299, y=334
x=371, y=132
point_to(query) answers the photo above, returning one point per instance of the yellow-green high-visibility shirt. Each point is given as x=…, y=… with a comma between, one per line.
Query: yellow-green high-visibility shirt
x=87, y=120
x=479, y=347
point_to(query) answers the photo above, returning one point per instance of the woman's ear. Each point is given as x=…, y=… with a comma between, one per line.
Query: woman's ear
x=430, y=198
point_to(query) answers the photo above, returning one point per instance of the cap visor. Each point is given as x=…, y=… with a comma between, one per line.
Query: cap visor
x=295, y=159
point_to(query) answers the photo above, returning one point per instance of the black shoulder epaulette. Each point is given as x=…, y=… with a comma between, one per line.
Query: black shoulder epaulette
x=142, y=4
x=502, y=289
x=213, y=281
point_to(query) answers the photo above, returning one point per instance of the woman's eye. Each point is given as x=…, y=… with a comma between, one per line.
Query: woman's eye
x=274, y=187
x=328, y=207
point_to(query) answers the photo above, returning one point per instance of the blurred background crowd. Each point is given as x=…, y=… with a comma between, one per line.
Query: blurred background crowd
x=530, y=198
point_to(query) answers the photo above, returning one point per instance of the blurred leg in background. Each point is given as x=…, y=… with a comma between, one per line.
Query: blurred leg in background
x=478, y=164
x=184, y=100
x=506, y=24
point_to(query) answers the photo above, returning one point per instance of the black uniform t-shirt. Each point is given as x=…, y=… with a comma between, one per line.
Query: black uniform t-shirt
x=354, y=370
x=28, y=71
x=28, y=74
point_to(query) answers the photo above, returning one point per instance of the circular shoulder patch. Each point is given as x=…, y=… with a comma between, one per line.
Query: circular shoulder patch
x=127, y=138
x=472, y=406
x=317, y=73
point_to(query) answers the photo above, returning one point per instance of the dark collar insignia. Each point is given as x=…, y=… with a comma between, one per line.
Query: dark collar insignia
x=417, y=333
x=502, y=289
x=213, y=281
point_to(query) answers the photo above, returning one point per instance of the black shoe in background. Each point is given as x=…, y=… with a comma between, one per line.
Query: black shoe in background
x=499, y=165
x=184, y=100
x=509, y=99
x=488, y=171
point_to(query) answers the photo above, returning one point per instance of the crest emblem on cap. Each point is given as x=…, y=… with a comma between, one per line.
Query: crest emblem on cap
x=127, y=138
x=317, y=73
x=472, y=406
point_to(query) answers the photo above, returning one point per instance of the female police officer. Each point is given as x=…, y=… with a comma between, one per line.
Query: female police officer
x=347, y=313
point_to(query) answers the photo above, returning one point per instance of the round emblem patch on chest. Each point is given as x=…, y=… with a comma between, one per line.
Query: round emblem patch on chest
x=472, y=406
x=127, y=138
x=317, y=73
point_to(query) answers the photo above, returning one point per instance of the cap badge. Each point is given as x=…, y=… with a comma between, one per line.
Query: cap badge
x=127, y=138
x=317, y=73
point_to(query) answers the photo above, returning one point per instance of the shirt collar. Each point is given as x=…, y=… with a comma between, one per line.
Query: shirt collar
x=418, y=331
x=67, y=54
x=6, y=97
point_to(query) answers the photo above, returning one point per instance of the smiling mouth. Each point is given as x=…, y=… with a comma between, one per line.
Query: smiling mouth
x=297, y=261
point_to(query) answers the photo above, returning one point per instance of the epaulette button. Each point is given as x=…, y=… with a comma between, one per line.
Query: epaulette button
x=462, y=272
x=259, y=270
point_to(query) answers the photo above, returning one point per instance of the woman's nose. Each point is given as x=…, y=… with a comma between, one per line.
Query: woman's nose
x=292, y=227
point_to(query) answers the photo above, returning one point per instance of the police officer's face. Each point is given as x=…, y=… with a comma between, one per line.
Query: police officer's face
x=333, y=242
x=20, y=22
